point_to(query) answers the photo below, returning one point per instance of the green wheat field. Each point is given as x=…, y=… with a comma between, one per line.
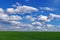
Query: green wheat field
x=10, y=35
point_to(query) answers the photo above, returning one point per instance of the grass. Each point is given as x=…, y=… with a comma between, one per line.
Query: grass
x=29, y=35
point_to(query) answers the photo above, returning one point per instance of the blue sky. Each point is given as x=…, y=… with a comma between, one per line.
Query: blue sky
x=30, y=15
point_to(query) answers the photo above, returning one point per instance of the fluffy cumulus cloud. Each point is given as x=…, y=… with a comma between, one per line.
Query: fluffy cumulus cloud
x=44, y=18
x=5, y=17
x=16, y=17
x=30, y=18
x=54, y=15
x=36, y=23
x=50, y=26
x=1, y=10
x=22, y=9
x=10, y=10
x=26, y=9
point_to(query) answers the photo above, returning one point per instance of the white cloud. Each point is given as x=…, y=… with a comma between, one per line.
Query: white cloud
x=10, y=10
x=14, y=18
x=15, y=23
x=54, y=15
x=1, y=10
x=30, y=18
x=50, y=26
x=47, y=8
x=21, y=9
x=18, y=4
x=17, y=27
x=40, y=28
x=21, y=26
x=4, y=16
x=59, y=26
x=44, y=18
x=36, y=23
x=25, y=9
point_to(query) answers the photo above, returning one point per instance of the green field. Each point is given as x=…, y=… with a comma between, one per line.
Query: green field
x=29, y=35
